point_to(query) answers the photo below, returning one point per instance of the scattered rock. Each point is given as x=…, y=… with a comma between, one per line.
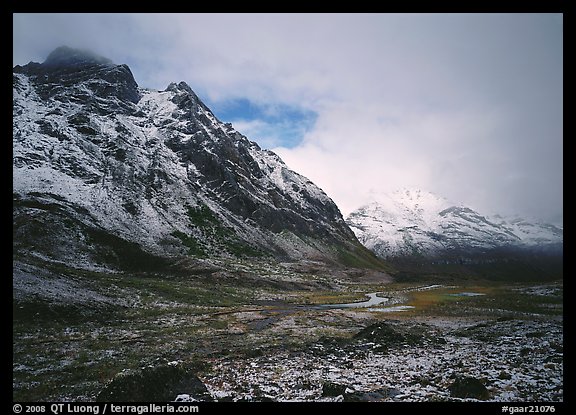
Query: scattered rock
x=504, y=375
x=525, y=351
x=371, y=396
x=482, y=332
x=154, y=384
x=361, y=370
x=556, y=359
x=421, y=380
x=226, y=398
x=469, y=387
x=557, y=347
x=258, y=396
x=304, y=385
x=387, y=334
x=184, y=398
x=333, y=389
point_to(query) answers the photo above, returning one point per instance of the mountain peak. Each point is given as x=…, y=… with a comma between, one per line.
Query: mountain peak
x=180, y=86
x=414, y=193
x=415, y=197
x=67, y=56
x=407, y=200
x=83, y=76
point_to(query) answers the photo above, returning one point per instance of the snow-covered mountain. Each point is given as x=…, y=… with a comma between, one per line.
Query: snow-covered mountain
x=415, y=222
x=105, y=171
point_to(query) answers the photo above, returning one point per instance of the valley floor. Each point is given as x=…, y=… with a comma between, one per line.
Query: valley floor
x=258, y=332
x=508, y=360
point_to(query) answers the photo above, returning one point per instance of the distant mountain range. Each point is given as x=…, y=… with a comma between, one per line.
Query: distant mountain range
x=414, y=222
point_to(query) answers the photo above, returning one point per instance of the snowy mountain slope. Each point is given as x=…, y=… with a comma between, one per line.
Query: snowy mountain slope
x=101, y=164
x=531, y=233
x=415, y=222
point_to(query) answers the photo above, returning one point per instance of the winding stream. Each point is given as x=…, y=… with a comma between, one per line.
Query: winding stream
x=391, y=304
x=373, y=299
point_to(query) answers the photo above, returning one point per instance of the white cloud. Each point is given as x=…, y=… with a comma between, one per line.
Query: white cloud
x=352, y=154
x=265, y=134
x=469, y=106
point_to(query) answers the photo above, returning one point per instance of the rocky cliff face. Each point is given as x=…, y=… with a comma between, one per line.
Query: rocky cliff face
x=106, y=172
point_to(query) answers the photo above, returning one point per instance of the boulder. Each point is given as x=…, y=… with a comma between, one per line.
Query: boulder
x=469, y=387
x=154, y=384
x=333, y=389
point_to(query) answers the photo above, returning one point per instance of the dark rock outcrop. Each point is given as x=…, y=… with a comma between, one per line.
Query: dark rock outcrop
x=154, y=384
x=469, y=387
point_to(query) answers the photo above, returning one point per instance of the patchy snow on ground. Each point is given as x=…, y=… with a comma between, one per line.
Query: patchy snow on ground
x=514, y=360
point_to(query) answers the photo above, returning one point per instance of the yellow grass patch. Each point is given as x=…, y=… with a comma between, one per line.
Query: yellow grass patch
x=426, y=299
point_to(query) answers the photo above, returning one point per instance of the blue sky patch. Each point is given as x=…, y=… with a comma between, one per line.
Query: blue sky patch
x=273, y=125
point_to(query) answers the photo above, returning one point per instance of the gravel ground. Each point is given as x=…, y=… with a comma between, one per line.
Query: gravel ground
x=451, y=360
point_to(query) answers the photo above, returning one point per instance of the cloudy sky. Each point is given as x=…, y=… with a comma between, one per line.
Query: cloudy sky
x=468, y=106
